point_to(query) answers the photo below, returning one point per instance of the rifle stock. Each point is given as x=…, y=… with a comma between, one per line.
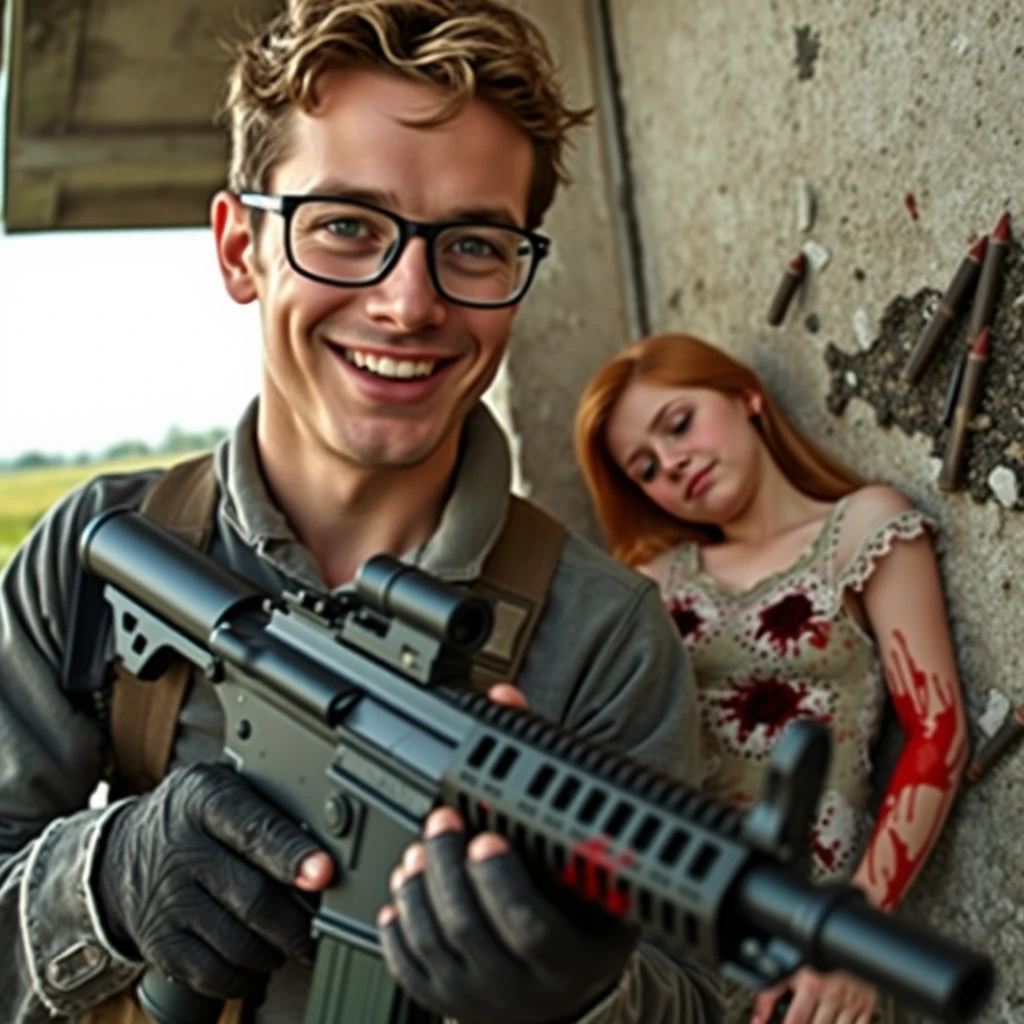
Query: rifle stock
x=353, y=715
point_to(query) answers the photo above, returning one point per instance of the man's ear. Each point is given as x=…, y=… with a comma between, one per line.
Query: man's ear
x=236, y=246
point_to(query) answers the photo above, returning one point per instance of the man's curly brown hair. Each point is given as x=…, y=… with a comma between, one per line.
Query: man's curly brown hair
x=468, y=48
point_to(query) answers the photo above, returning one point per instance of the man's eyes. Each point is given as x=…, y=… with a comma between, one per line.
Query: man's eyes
x=474, y=246
x=346, y=227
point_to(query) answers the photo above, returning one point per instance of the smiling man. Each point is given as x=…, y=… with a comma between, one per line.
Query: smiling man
x=391, y=163
x=388, y=281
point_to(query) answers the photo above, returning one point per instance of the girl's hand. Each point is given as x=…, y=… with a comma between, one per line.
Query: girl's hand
x=833, y=998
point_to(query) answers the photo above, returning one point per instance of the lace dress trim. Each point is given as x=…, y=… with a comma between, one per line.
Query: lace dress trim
x=684, y=567
x=907, y=525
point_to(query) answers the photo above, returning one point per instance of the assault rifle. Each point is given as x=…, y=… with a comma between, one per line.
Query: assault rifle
x=353, y=714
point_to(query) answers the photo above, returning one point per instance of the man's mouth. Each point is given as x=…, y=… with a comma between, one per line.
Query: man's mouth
x=391, y=367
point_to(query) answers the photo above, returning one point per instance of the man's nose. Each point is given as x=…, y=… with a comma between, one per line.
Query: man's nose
x=406, y=299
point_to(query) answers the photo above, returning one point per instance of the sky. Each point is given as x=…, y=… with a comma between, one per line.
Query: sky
x=115, y=335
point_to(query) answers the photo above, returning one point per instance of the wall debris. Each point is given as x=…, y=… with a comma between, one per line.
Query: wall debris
x=995, y=443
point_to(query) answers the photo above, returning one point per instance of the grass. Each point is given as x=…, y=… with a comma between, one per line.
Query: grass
x=25, y=495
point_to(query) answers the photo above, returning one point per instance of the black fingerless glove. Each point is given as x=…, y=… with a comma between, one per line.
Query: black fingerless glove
x=195, y=879
x=477, y=941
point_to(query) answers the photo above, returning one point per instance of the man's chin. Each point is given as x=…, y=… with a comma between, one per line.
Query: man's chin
x=387, y=452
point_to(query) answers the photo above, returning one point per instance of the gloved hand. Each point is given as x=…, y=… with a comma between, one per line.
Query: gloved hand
x=473, y=939
x=194, y=878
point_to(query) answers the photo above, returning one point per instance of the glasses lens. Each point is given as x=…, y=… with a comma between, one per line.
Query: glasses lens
x=341, y=241
x=483, y=263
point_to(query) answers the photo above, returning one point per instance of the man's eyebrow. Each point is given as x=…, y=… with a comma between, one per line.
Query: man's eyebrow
x=344, y=190
x=488, y=214
x=378, y=197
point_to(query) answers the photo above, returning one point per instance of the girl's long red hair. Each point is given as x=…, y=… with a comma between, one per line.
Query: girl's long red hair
x=637, y=530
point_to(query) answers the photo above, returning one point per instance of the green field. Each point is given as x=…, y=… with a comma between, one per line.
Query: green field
x=26, y=495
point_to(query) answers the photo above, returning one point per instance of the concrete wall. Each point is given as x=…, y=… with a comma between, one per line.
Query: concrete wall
x=905, y=120
x=575, y=316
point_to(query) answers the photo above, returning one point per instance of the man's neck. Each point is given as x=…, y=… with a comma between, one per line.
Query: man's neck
x=345, y=513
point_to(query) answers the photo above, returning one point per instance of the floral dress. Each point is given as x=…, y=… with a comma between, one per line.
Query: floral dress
x=788, y=648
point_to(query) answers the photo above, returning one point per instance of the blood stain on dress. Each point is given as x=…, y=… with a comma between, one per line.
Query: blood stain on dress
x=687, y=621
x=824, y=853
x=770, y=704
x=788, y=620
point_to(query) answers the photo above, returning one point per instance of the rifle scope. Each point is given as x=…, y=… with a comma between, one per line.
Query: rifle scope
x=459, y=620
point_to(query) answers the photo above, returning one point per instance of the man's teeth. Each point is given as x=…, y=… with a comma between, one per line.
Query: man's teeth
x=385, y=366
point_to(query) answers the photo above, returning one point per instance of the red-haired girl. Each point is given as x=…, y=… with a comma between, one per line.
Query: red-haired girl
x=799, y=592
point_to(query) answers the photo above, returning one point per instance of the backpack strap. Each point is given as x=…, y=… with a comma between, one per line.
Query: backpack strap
x=144, y=716
x=516, y=577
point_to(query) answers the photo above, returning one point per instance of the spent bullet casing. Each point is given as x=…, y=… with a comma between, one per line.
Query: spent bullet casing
x=935, y=330
x=954, y=388
x=953, y=456
x=952, y=302
x=989, y=284
x=967, y=403
x=788, y=286
x=997, y=745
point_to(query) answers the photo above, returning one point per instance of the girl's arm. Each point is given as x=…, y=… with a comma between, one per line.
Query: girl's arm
x=904, y=605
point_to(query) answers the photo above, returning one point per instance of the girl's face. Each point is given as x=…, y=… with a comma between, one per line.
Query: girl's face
x=692, y=451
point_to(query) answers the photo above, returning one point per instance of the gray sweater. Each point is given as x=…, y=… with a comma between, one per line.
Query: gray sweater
x=605, y=662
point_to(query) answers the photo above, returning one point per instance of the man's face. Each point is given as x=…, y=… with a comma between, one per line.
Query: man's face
x=433, y=359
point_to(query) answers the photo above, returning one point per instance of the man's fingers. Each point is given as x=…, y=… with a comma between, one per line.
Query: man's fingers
x=419, y=956
x=444, y=819
x=509, y=695
x=420, y=930
x=524, y=920
x=238, y=945
x=404, y=967
x=316, y=872
x=454, y=902
x=274, y=912
x=201, y=969
x=239, y=817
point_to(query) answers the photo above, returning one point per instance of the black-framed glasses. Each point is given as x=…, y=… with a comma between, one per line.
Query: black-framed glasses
x=352, y=243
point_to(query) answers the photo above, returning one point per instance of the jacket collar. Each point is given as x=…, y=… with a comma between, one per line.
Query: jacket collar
x=470, y=522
